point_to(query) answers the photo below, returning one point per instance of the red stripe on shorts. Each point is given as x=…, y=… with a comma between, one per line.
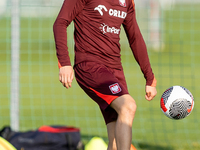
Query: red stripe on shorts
x=107, y=98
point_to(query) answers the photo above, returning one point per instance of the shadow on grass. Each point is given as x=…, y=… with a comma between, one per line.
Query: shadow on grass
x=146, y=146
x=139, y=146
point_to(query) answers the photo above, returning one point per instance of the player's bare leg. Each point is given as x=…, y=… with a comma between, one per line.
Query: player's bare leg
x=111, y=136
x=125, y=106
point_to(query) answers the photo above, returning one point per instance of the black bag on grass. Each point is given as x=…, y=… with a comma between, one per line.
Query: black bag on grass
x=45, y=138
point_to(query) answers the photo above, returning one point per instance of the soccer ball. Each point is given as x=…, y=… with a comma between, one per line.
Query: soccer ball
x=177, y=102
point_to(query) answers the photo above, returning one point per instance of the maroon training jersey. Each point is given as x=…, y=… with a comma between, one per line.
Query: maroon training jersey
x=97, y=28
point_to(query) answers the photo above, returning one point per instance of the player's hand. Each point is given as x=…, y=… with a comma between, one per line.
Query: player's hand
x=150, y=92
x=66, y=75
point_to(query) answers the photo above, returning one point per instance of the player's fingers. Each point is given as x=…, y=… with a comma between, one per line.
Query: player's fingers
x=70, y=78
x=63, y=80
x=149, y=96
x=69, y=83
x=66, y=82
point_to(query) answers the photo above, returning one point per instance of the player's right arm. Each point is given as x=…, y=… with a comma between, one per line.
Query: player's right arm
x=70, y=9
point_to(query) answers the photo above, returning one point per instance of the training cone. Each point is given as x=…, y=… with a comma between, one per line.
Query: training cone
x=132, y=147
x=5, y=145
x=96, y=143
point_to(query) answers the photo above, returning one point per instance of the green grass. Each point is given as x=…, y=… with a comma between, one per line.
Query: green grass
x=43, y=100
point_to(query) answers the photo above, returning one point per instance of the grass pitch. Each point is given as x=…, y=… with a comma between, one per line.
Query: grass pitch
x=43, y=100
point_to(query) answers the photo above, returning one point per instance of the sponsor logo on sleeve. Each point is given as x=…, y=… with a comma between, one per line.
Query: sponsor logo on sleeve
x=115, y=88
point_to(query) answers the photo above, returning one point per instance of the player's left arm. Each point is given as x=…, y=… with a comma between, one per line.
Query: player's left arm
x=139, y=50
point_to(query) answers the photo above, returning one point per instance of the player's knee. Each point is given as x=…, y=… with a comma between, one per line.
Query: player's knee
x=125, y=106
x=129, y=109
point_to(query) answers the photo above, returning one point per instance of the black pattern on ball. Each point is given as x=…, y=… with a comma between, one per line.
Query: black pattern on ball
x=178, y=109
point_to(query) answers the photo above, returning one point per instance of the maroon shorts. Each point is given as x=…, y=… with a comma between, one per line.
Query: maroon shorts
x=102, y=84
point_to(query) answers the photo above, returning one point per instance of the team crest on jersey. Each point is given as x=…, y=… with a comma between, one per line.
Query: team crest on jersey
x=115, y=88
x=122, y=3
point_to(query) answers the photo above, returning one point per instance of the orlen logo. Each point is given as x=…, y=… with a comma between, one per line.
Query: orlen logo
x=115, y=88
x=106, y=29
x=117, y=13
x=99, y=8
x=111, y=12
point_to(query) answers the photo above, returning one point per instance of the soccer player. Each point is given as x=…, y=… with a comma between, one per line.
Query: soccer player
x=98, y=69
